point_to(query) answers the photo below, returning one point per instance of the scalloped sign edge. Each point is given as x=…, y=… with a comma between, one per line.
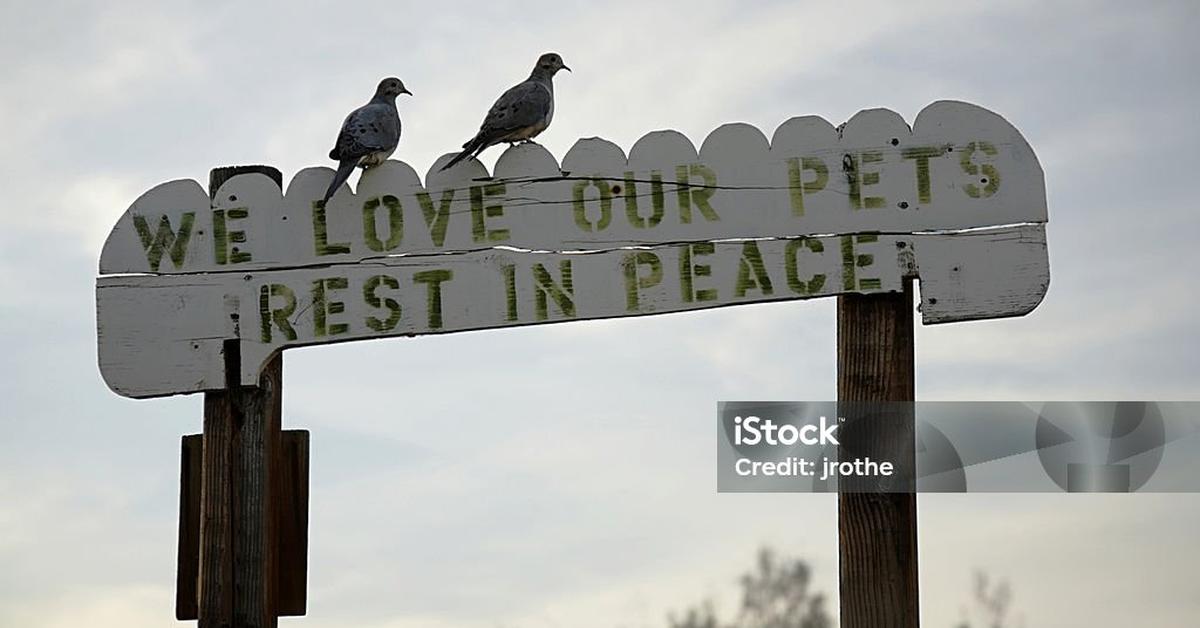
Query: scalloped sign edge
x=960, y=167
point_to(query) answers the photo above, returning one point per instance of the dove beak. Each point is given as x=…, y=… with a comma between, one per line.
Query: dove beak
x=566, y=68
x=405, y=91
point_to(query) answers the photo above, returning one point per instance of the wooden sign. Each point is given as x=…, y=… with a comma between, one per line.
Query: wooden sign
x=958, y=201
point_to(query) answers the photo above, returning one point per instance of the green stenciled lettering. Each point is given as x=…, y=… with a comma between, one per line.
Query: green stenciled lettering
x=922, y=155
x=791, y=254
x=510, y=290
x=798, y=188
x=278, y=316
x=579, y=203
x=847, y=262
x=859, y=179
x=698, y=196
x=480, y=213
x=752, y=273
x=222, y=236
x=991, y=176
x=395, y=223
x=165, y=238
x=851, y=262
x=864, y=260
x=545, y=289
x=321, y=234
x=369, y=295
x=683, y=193
x=689, y=271
x=633, y=281
x=323, y=307
x=437, y=218
x=656, y=201
x=701, y=196
x=658, y=197
x=433, y=294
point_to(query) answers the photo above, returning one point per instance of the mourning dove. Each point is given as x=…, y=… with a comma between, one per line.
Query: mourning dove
x=521, y=113
x=369, y=134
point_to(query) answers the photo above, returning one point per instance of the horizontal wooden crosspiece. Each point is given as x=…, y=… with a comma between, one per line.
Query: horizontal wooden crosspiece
x=958, y=201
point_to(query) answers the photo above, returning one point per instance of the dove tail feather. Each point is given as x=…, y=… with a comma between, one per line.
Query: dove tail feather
x=470, y=149
x=345, y=167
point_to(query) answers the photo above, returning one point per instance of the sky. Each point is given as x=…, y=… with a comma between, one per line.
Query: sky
x=562, y=476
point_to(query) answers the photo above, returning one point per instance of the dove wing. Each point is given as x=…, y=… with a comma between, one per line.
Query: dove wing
x=522, y=106
x=368, y=129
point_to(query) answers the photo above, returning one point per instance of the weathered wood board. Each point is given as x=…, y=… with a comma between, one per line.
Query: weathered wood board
x=958, y=202
x=960, y=167
x=162, y=334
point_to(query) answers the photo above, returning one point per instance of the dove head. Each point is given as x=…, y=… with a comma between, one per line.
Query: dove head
x=390, y=88
x=548, y=64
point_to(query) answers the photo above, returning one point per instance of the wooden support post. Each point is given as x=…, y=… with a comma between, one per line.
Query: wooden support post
x=187, y=572
x=238, y=559
x=291, y=524
x=289, y=491
x=877, y=531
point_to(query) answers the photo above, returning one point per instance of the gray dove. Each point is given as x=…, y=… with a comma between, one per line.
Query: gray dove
x=369, y=134
x=521, y=113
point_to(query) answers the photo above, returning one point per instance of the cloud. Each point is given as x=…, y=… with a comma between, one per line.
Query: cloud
x=509, y=478
x=114, y=56
x=104, y=607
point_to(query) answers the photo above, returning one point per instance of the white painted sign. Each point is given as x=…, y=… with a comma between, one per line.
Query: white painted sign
x=959, y=202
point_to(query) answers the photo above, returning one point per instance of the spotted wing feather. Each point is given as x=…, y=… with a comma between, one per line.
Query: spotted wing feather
x=522, y=106
x=369, y=129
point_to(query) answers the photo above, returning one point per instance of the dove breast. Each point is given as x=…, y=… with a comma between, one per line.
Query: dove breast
x=537, y=126
x=374, y=159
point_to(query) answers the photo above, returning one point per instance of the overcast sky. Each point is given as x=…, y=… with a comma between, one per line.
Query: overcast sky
x=563, y=476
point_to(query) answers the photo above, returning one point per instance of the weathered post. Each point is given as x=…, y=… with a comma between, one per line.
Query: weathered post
x=877, y=531
x=241, y=437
